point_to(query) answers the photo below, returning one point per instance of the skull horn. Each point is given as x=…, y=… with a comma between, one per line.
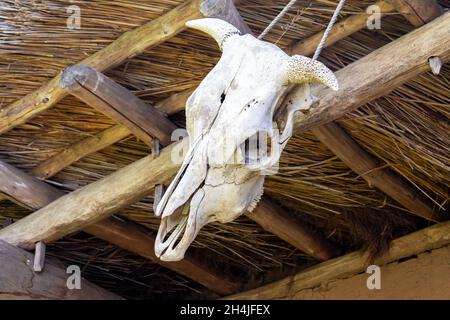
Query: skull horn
x=218, y=29
x=305, y=70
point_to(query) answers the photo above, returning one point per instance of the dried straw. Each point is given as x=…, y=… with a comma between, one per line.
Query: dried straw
x=408, y=129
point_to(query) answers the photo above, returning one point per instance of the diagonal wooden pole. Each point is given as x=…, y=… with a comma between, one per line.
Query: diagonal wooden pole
x=125, y=47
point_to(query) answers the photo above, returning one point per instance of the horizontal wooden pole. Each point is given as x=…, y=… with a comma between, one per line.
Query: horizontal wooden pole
x=426, y=239
x=18, y=281
x=118, y=103
x=35, y=194
x=101, y=140
x=418, y=12
x=378, y=73
x=340, y=30
x=360, y=161
x=125, y=47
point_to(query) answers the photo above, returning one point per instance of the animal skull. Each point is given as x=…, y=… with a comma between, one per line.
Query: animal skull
x=235, y=101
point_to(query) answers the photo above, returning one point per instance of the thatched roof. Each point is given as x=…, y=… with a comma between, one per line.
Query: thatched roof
x=407, y=129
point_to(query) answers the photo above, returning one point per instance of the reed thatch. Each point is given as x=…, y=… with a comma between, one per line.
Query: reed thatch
x=408, y=129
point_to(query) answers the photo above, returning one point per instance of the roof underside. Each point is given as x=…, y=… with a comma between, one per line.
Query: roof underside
x=407, y=129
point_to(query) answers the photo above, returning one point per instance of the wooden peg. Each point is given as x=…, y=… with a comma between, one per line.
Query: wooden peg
x=159, y=188
x=435, y=65
x=39, y=257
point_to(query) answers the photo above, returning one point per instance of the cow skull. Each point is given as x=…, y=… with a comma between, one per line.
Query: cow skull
x=236, y=101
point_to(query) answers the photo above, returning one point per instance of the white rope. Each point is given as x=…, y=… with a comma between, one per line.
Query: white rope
x=328, y=29
x=325, y=34
x=277, y=18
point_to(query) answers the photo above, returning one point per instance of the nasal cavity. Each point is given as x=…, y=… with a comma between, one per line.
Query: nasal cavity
x=222, y=97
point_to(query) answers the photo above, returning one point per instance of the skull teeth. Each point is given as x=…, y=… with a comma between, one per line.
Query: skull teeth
x=256, y=200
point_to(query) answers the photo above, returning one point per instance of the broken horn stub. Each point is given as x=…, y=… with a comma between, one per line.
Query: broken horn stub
x=218, y=29
x=302, y=69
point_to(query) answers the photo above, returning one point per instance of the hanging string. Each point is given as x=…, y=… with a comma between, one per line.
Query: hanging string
x=325, y=34
x=277, y=18
x=328, y=29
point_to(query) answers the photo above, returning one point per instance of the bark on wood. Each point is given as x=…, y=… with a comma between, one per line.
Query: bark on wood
x=427, y=239
x=19, y=281
x=125, y=47
x=118, y=103
x=35, y=194
x=418, y=12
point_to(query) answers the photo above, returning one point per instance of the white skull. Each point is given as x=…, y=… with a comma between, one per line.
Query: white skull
x=235, y=101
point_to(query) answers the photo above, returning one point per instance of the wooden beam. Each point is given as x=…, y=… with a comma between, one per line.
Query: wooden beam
x=34, y=194
x=118, y=103
x=92, y=203
x=427, y=239
x=80, y=149
x=138, y=240
x=275, y=220
x=418, y=12
x=378, y=73
x=125, y=47
x=341, y=30
x=18, y=281
x=361, y=162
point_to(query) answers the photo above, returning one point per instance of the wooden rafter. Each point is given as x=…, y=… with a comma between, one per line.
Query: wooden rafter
x=126, y=46
x=427, y=239
x=348, y=150
x=418, y=12
x=378, y=73
x=275, y=220
x=373, y=171
x=118, y=103
x=34, y=194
